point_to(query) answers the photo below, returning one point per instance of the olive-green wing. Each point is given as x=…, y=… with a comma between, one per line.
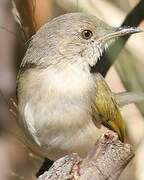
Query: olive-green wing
x=105, y=105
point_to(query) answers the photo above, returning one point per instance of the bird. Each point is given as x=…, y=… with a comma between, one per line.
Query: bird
x=64, y=107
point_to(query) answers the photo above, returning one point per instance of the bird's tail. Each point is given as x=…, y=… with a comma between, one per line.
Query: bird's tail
x=125, y=98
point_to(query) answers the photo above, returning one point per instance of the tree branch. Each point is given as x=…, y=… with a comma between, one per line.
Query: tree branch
x=134, y=18
x=106, y=160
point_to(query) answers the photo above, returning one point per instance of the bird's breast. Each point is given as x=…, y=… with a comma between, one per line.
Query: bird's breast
x=57, y=111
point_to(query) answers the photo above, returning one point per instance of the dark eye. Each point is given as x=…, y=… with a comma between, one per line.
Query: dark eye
x=86, y=34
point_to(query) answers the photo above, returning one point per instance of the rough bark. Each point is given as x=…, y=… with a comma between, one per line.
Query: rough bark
x=105, y=161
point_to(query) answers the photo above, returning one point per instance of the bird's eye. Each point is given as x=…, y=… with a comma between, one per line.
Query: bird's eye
x=86, y=34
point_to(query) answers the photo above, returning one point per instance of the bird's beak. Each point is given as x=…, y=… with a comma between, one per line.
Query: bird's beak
x=121, y=31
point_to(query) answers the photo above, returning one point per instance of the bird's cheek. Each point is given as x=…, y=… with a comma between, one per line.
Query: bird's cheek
x=90, y=56
x=69, y=48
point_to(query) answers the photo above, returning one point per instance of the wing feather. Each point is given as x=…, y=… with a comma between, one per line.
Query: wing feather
x=105, y=105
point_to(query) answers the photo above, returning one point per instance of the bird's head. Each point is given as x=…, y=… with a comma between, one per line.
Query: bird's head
x=73, y=36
